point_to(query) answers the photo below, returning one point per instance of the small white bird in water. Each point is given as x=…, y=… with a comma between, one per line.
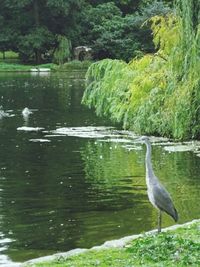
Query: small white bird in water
x=158, y=195
x=26, y=112
x=3, y=113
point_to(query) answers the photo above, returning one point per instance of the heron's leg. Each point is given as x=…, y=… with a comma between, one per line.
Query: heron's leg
x=159, y=220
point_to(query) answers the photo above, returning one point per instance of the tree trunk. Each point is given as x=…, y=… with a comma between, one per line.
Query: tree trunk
x=36, y=13
x=4, y=55
x=37, y=24
x=37, y=56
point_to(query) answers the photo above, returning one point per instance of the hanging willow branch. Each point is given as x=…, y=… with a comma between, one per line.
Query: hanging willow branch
x=151, y=95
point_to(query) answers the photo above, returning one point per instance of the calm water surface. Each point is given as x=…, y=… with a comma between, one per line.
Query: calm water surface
x=70, y=191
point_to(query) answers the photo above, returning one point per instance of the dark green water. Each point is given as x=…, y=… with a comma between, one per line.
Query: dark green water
x=75, y=192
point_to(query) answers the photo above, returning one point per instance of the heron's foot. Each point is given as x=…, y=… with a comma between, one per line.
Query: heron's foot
x=159, y=230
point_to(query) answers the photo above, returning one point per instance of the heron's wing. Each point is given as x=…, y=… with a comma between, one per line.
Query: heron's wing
x=163, y=200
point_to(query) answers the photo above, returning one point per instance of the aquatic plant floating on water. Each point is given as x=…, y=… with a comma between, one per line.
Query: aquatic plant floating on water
x=84, y=132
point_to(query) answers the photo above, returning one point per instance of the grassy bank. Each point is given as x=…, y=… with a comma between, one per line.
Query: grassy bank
x=75, y=64
x=4, y=67
x=180, y=247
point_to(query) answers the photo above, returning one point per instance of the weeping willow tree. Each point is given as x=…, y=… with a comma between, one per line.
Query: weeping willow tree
x=63, y=51
x=158, y=93
x=189, y=16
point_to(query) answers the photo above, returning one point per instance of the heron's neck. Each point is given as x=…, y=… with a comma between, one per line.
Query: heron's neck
x=149, y=168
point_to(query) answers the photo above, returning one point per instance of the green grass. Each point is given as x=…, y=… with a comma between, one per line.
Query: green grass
x=179, y=248
x=74, y=64
x=11, y=63
x=5, y=66
x=20, y=67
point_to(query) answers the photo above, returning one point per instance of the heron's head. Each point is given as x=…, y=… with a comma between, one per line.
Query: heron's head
x=144, y=139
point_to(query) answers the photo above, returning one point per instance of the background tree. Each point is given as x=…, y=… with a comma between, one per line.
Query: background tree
x=112, y=29
x=113, y=35
x=63, y=50
x=37, y=24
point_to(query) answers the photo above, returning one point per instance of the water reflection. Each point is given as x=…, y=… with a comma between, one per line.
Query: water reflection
x=75, y=192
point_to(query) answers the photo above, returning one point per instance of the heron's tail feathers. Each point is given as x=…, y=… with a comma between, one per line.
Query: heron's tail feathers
x=173, y=213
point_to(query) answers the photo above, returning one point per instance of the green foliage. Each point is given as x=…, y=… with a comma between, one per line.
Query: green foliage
x=165, y=248
x=39, y=40
x=112, y=35
x=19, y=67
x=74, y=64
x=99, y=93
x=63, y=51
x=30, y=27
x=129, y=6
x=102, y=25
x=176, y=248
x=9, y=55
x=158, y=93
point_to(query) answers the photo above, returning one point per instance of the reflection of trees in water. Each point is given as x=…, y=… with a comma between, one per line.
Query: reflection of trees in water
x=68, y=200
x=53, y=198
x=44, y=190
x=49, y=92
x=180, y=172
x=117, y=172
x=41, y=199
x=108, y=165
x=47, y=203
x=118, y=187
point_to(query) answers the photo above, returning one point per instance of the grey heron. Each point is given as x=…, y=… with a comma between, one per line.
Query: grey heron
x=158, y=195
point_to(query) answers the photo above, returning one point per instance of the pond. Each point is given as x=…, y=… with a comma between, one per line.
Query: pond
x=71, y=180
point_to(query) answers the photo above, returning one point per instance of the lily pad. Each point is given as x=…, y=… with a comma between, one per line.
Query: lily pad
x=132, y=147
x=116, y=140
x=84, y=132
x=179, y=148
